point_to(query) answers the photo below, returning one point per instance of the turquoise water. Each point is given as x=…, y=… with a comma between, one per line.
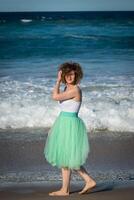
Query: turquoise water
x=34, y=45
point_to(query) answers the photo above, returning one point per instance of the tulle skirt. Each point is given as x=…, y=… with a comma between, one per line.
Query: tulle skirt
x=67, y=143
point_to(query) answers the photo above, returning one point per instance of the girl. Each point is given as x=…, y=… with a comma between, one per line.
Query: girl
x=67, y=144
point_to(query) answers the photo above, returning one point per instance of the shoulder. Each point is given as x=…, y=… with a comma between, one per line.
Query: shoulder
x=77, y=89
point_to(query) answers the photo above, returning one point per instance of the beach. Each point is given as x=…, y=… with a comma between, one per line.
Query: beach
x=39, y=191
x=25, y=174
x=33, y=45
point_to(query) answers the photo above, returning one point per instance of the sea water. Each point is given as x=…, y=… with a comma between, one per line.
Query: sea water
x=33, y=45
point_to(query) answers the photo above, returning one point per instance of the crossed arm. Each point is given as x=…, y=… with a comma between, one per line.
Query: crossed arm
x=59, y=96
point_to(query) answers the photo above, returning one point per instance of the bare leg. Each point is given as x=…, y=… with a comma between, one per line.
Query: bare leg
x=90, y=183
x=64, y=191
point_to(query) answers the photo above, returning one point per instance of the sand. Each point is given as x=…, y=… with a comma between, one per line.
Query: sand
x=39, y=191
x=24, y=173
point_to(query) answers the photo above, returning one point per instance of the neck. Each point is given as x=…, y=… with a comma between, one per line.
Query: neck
x=69, y=86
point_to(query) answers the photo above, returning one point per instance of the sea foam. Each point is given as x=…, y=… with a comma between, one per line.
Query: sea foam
x=29, y=104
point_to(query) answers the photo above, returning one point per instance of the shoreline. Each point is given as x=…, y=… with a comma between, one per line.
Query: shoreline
x=103, y=191
x=25, y=174
x=22, y=157
x=41, y=132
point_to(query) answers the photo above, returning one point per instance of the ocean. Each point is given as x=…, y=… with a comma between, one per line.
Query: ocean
x=33, y=45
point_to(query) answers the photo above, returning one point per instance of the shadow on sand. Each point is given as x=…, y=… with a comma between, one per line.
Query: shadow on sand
x=99, y=188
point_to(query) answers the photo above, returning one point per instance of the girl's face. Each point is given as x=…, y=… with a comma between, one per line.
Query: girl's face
x=70, y=77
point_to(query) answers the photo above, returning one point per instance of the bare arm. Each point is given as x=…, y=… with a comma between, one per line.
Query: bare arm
x=64, y=95
x=59, y=96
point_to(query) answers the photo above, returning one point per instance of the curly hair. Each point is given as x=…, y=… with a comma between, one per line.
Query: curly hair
x=67, y=67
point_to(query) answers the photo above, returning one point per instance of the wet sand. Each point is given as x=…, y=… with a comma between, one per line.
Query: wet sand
x=22, y=157
x=39, y=191
x=25, y=174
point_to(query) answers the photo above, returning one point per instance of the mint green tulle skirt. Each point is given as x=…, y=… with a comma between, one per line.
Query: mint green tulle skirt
x=67, y=143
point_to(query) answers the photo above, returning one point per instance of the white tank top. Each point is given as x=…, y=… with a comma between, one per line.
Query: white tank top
x=70, y=105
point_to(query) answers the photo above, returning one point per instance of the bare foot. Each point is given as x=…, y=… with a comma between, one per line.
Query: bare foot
x=59, y=193
x=89, y=185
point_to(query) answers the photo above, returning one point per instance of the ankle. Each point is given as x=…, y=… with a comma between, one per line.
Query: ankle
x=89, y=179
x=65, y=190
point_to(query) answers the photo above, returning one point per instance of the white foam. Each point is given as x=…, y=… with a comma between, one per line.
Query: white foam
x=26, y=20
x=29, y=104
x=82, y=36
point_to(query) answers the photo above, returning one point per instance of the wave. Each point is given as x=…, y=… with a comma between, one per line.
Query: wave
x=113, y=115
x=82, y=36
x=28, y=104
x=102, y=37
x=26, y=20
x=116, y=40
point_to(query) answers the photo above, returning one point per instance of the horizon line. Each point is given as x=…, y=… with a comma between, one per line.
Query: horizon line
x=70, y=11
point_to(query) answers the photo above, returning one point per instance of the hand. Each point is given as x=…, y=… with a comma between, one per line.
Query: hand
x=59, y=76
